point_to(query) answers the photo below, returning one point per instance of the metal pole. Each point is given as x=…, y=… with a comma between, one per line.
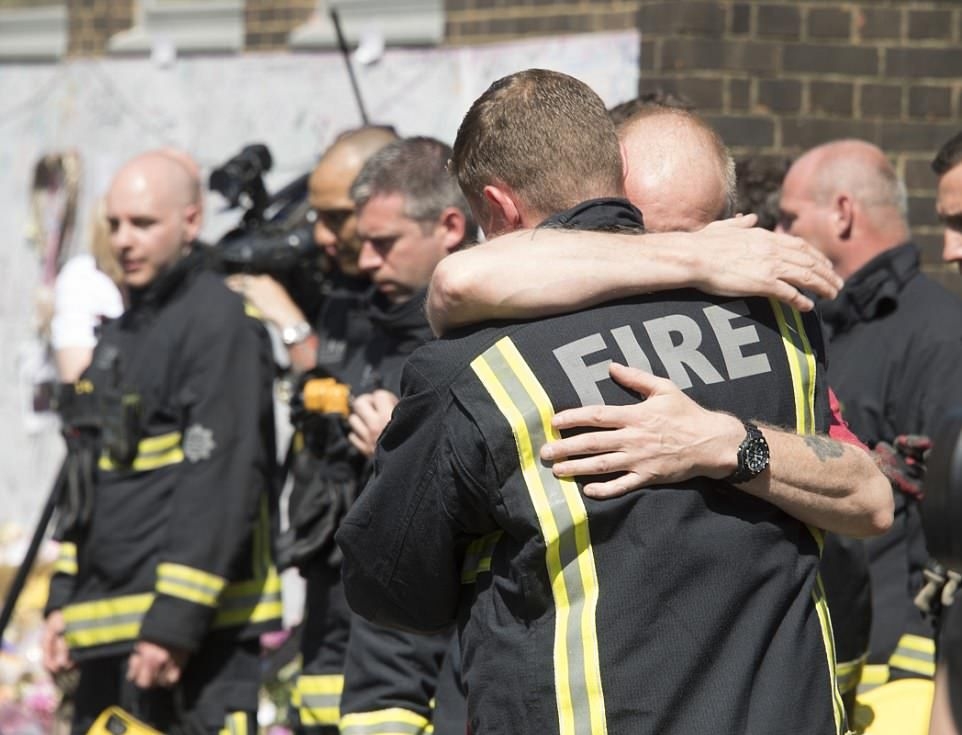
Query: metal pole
x=38, y=533
x=335, y=19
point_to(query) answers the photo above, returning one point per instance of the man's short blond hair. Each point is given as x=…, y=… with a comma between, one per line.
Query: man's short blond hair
x=544, y=135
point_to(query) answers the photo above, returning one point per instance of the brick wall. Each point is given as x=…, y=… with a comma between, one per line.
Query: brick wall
x=481, y=21
x=93, y=22
x=779, y=76
x=774, y=76
x=269, y=22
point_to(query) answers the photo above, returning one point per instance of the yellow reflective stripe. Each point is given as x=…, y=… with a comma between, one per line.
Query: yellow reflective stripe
x=393, y=721
x=105, y=621
x=159, y=444
x=918, y=644
x=153, y=453
x=320, y=683
x=563, y=520
x=477, y=557
x=66, y=559
x=849, y=674
x=118, y=619
x=188, y=583
x=828, y=639
x=915, y=654
x=801, y=362
x=819, y=535
x=235, y=724
x=317, y=698
x=253, y=601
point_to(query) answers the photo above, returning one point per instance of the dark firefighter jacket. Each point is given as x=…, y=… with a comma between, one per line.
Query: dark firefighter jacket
x=357, y=676
x=178, y=545
x=895, y=360
x=691, y=608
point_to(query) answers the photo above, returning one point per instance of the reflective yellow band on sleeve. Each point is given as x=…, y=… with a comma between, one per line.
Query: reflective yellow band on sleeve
x=118, y=619
x=66, y=559
x=153, y=453
x=253, y=601
x=915, y=654
x=317, y=698
x=393, y=721
x=101, y=622
x=188, y=583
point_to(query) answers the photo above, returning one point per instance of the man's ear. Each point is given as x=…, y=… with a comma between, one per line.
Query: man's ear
x=504, y=213
x=192, y=222
x=452, y=224
x=843, y=213
x=624, y=162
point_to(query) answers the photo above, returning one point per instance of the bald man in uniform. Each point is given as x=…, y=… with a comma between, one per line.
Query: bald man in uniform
x=895, y=359
x=165, y=580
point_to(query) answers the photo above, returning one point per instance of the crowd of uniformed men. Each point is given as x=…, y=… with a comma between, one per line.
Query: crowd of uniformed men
x=633, y=487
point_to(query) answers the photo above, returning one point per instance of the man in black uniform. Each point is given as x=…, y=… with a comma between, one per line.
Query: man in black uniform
x=410, y=214
x=172, y=579
x=689, y=608
x=323, y=467
x=895, y=347
x=681, y=175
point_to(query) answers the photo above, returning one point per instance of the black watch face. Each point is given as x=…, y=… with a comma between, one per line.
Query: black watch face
x=756, y=456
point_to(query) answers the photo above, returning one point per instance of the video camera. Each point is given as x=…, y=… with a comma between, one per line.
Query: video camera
x=275, y=235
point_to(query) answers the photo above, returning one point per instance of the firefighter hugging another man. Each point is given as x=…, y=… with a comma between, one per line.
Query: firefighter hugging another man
x=694, y=607
x=166, y=579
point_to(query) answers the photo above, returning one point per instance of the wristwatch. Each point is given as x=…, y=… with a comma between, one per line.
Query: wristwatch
x=295, y=333
x=753, y=457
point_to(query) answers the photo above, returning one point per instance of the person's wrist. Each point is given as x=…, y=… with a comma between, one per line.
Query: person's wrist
x=296, y=332
x=729, y=433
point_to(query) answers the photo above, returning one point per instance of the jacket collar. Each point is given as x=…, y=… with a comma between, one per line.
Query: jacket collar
x=607, y=214
x=398, y=319
x=874, y=290
x=159, y=291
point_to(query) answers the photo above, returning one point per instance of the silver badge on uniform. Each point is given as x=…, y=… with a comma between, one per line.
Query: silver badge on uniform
x=198, y=443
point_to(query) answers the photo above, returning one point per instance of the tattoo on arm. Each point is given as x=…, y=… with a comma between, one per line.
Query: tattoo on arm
x=824, y=447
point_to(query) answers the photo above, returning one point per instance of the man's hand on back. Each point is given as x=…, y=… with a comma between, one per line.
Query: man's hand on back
x=665, y=438
x=732, y=257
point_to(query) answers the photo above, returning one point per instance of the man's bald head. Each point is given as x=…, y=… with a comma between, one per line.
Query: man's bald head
x=159, y=173
x=190, y=165
x=845, y=198
x=857, y=168
x=330, y=186
x=153, y=214
x=679, y=172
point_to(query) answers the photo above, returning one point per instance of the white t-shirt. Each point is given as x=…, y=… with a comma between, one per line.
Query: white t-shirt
x=83, y=297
